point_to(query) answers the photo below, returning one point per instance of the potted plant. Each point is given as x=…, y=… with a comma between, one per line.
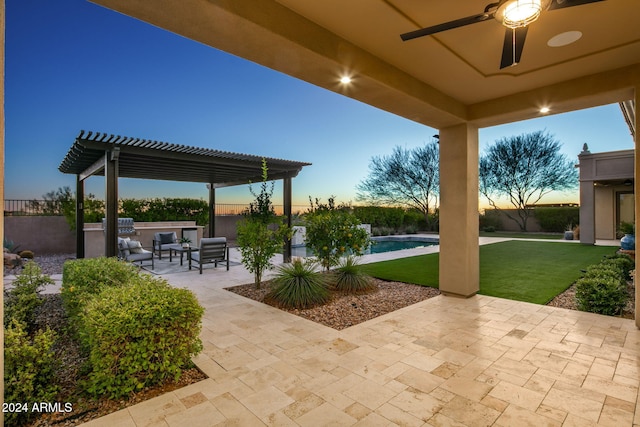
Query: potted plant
x=628, y=232
x=185, y=241
x=568, y=232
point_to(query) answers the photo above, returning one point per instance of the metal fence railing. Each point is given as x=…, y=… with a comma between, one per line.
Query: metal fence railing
x=18, y=207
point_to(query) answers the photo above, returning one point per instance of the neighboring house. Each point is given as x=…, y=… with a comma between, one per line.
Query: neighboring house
x=606, y=193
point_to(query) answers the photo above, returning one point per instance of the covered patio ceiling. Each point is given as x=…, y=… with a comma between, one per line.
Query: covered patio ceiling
x=438, y=80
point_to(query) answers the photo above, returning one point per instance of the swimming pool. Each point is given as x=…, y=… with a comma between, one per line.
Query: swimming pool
x=382, y=244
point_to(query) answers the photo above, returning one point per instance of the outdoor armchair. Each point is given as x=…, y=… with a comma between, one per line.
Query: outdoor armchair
x=164, y=241
x=212, y=250
x=132, y=251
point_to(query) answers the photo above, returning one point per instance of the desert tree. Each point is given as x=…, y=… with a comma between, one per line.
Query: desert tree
x=524, y=168
x=408, y=178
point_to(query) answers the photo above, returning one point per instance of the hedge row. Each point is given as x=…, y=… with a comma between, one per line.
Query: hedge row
x=137, y=329
x=603, y=289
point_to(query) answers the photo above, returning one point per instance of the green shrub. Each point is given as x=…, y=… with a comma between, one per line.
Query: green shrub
x=601, y=294
x=555, y=219
x=334, y=232
x=29, y=365
x=83, y=278
x=139, y=335
x=350, y=278
x=490, y=220
x=623, y=261
x=299, y=285
x=23, y=299
x=604, y=270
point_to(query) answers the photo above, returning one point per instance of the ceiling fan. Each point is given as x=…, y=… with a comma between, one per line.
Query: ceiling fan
x=516, y=15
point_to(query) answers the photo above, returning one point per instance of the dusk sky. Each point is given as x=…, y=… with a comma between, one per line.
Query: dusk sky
x=72, y=65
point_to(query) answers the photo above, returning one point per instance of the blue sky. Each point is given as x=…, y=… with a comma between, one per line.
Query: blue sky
x=73, y=65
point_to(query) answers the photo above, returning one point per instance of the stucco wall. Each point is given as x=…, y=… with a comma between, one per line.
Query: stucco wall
x=605, y=217
x=40, y=234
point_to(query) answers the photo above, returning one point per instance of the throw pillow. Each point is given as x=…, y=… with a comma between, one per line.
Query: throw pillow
x=135, y=247
x=167, y=238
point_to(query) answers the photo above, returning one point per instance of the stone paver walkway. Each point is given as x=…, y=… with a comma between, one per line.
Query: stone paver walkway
x=447, y=361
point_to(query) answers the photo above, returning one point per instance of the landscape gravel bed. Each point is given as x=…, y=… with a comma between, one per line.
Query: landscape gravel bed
x=344, y=310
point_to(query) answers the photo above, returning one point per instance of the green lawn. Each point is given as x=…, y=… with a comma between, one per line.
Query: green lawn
x=518, y=235
x=519, y=270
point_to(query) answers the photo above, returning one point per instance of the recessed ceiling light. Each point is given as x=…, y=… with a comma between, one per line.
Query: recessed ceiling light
x=564, y=39
x=345, y=80
x=545, y=110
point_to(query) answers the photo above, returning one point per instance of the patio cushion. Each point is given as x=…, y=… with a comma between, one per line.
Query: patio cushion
x=135, y=247
x=167, y=238
x=123, y=247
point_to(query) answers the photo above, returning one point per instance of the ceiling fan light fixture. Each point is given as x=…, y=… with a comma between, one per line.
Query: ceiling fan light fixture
x=520, y=13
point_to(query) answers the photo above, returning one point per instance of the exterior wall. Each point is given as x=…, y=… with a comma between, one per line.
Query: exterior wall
x=40, y=234
x=51, y=234
x=605, y=173
x=605, y=214
x=507, y=224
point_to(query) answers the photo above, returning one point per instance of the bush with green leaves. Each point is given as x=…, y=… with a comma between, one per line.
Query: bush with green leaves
x=350, y=278
x=29, y=366
x=333, y=232
x=83, y=278
x=23, y=299
x=623, y=261
x=603, y=289
x=261, y=234
x=139, y=334
x=299, y=285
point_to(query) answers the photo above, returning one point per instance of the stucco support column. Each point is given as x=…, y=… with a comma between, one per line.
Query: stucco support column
x=459, y=250
x=79, y=217
x=111, y=208
x=636, y=176
x=286, y=185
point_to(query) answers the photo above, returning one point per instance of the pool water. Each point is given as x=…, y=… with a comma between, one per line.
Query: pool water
x=378, y=246
x=381, y=246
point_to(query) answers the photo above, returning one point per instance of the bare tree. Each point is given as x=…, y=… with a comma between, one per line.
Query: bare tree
x=524, y=168
x=408, y=177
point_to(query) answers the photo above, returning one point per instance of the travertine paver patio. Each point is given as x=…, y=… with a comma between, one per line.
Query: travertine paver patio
x=443, y=362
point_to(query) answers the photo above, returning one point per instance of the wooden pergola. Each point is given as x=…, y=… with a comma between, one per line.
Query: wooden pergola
x=114, y=156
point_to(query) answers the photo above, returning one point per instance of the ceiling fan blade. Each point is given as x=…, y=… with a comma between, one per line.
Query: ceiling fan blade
x=512, y=47
x=559, y=4
x=447, y=26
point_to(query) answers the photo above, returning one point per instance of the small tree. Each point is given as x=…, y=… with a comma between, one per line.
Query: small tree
x=409, y=178
x=524, y=168
x=333, y=232
x=260, y=233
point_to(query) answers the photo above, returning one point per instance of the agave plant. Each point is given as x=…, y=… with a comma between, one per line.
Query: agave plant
x=350, y=278
x=299, y=285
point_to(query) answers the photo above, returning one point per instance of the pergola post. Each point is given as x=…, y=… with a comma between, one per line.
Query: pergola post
x=212, y=210
x=459, y=229
x=79, y=217
x=111, y=208
x=287, y=214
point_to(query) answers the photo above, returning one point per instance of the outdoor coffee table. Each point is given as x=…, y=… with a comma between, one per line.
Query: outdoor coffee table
x=178, y=248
